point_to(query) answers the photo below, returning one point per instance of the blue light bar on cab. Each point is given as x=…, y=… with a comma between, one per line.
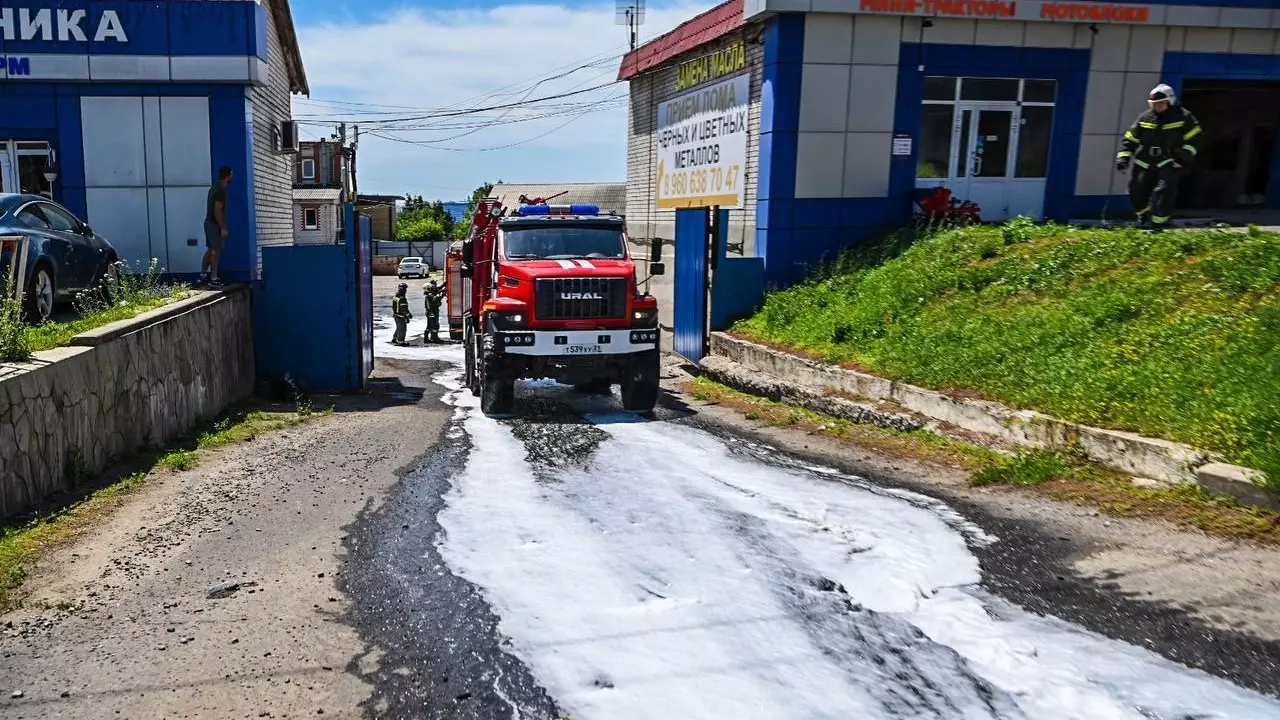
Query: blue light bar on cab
x=584, y=210
x=544, y=209
x=533, y=210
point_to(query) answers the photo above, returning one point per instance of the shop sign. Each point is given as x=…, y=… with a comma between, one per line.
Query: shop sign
x=721, y=63
x=64, y=25
x=15, y=65
x=1066, y=11
x=901, y=145
x=702, y=147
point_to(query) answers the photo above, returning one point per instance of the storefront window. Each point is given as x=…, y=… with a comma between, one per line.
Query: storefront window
x=992, y=89
x=1033, y=141
x=935, y=141
x=1040, y=91
x=31, y=174
x=940, y=88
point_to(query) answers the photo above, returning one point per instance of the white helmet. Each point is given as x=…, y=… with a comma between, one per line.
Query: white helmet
x=1161, y=93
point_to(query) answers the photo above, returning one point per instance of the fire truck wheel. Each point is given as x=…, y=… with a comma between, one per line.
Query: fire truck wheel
x=497, y=387
x=640, y=384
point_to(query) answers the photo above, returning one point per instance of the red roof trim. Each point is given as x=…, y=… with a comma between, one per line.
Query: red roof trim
x=716, y=22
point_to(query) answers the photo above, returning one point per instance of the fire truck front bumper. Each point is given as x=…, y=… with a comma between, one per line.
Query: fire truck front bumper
x=545, y=343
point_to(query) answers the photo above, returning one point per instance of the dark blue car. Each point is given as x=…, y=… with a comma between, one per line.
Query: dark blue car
x=64, y=256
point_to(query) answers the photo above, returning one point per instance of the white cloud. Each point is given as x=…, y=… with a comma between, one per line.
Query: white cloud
x=435, y=59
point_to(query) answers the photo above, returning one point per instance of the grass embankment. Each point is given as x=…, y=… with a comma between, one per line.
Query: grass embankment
x=22, y=544
x=1173, y=335
x=1057, y=476
x=138, y=293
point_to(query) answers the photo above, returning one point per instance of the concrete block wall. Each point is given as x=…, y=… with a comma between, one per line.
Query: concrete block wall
x=141, y=382
x=267, y=107
x=848, y=85
x=649, y=90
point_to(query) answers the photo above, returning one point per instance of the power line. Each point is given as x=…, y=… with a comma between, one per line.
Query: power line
x=431, y=146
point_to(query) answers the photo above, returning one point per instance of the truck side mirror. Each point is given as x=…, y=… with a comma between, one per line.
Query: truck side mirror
x=655, y=251
x=464, y=269
x=657, y=268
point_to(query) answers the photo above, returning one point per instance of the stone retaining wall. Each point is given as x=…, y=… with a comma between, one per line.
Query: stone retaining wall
x=121, y=387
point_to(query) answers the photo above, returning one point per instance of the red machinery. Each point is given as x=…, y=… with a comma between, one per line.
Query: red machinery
x=939, y=207
x=454, y=289
x=550, y=291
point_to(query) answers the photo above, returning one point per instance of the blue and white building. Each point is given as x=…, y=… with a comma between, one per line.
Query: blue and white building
x=132, y=106
x=858, y=106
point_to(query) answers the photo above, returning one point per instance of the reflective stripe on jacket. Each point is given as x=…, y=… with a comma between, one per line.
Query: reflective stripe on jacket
x=1158, y=140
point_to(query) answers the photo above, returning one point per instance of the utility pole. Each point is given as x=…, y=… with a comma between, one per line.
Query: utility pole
x=355, y=189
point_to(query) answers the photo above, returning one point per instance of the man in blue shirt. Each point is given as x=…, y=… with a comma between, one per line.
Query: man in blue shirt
x=215, y=227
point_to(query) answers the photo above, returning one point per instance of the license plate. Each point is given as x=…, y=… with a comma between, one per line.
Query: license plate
x=581, y=349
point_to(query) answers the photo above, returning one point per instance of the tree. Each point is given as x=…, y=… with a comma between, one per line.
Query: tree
x=421, y=221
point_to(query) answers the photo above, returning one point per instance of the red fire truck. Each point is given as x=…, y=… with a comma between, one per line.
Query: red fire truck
x=551, y=291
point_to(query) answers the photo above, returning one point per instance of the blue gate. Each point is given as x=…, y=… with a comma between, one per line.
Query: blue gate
x=692, y=278
x=313, y=313
x=690, y=284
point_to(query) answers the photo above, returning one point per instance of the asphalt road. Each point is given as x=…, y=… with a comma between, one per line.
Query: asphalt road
x=414, y=558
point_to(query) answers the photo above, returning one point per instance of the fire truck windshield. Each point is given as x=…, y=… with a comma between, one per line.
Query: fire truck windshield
x=564, y=243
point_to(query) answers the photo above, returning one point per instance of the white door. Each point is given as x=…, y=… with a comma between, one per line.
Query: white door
x=983, y=157
x=8, y=178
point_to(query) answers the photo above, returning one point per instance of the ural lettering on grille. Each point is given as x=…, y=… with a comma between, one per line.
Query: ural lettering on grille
x=580, y=298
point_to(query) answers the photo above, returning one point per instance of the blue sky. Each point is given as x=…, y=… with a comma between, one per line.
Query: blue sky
x=419, y=78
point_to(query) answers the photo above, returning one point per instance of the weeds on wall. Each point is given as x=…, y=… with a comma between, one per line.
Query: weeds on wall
x=140, y=288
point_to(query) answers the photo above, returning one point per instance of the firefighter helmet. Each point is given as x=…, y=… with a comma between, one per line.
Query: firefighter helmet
x=1161, y=93
x=403, y=287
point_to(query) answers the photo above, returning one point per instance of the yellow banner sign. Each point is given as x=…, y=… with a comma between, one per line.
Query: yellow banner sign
x=711, y=67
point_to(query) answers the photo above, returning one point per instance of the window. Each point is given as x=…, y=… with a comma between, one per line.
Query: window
x=1033, y=141
x=564, y=243
x=1039, y=91
x=308, y=169
x=989, y=89
x=940, y=88
x=59, y=219
x=32, y=218
x=935, y=141
x=310, y=218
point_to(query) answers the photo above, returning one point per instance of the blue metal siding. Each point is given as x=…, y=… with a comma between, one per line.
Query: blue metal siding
x=779, y=120
x=304, y=319
x=690, y=310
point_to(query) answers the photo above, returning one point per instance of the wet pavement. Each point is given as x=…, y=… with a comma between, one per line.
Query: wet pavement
x=578, y=561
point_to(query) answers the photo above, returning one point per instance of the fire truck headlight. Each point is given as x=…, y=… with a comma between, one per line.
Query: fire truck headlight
x=646, y=318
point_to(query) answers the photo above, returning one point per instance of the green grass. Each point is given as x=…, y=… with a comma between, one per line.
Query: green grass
x=139, y=292
x=1174, y=335
x=22, y=543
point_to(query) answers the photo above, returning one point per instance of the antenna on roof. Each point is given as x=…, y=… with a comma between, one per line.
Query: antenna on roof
x=631, y=14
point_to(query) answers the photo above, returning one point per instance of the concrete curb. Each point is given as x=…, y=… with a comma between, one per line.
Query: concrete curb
x=734, y=375
x=1137, y=455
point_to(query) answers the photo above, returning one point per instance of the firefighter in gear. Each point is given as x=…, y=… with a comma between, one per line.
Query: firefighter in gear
x=432, y=295
x=1161, y=144
x=400, y=312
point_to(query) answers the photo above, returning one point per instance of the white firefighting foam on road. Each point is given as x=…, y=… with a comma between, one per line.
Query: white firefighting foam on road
x=666, y=576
